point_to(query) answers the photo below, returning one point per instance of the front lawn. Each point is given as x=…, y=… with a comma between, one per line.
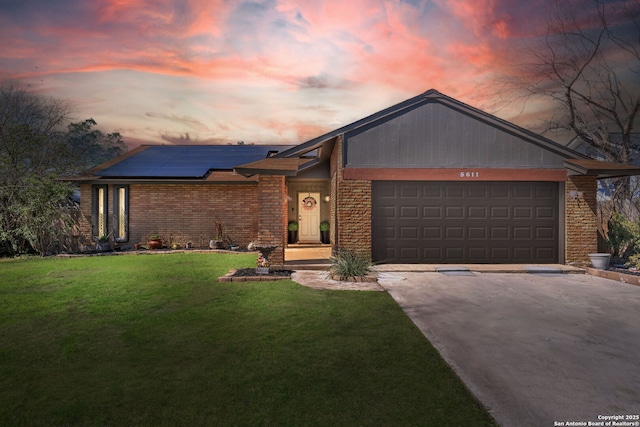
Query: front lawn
x=140, y=340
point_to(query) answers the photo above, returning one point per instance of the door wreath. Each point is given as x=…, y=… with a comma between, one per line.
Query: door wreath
x=308, y=203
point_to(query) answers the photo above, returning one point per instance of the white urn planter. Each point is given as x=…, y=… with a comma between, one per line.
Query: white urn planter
x=600, y=261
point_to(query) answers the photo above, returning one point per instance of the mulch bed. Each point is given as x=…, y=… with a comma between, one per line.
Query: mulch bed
x=250, y=275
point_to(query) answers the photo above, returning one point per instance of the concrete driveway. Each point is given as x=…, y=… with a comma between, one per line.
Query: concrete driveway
x=535, y=350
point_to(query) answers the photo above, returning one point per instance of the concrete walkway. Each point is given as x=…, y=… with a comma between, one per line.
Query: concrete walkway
x=536, y=350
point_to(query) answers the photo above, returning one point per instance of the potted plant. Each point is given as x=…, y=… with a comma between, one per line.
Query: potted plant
x=324, y=232
x=155, y=242
x=103, y=243
x=293, y=232
x=600, y=260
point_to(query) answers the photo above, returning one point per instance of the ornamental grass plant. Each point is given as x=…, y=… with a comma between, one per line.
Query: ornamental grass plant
x=348, y=265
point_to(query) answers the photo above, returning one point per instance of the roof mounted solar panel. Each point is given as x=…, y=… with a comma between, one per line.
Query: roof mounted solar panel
x=190, y=161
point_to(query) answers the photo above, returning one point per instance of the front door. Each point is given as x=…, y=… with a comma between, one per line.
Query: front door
x=309, y=217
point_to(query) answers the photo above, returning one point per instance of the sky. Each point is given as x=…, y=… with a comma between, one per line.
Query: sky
x=264, y=72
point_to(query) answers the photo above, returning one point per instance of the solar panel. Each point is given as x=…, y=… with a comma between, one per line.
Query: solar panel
x=191, y=161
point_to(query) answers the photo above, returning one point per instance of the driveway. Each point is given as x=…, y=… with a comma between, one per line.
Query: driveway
x=534, y=349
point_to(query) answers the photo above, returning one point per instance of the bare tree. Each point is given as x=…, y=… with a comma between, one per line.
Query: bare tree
x=37, y=146
x=588, y=65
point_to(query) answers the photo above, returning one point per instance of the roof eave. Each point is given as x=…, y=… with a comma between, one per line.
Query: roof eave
x=599, y=169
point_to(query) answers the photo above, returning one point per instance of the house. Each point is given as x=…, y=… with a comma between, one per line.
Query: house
x=429, y=180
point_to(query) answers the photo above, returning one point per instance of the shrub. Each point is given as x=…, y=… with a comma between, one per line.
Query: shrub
x=293, y=226
x=348, y=265
x=324, y=226
x=622, y=235
x=634, y=261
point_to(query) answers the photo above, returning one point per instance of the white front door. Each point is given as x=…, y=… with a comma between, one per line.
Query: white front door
x=309, y=217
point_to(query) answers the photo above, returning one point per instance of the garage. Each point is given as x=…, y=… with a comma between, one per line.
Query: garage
x=465, y=222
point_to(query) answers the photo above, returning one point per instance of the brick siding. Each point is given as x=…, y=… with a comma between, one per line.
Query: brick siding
x=581, y=219
x=181, y=213
x=352, y=208
x=272, y=215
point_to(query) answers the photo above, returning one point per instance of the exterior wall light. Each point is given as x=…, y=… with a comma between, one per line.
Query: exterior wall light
x=576, y=195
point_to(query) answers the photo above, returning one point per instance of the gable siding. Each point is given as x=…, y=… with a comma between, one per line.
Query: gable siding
x=436, y=136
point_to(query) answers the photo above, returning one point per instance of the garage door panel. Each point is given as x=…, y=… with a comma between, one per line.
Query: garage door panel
x=453, y=191
x=499, y=191
x=387, y=212
x=500, y=255
x=545, y=233
x=522, y=192
x=499, y=212
x=409, y=212
x=545, y=212
x=545, y=193
x=456, y=233
x=477, y=192
x=432, y=212
x=409, y=253
x=454, y=212
x=431, y=253
x=476, y=233
x=477, y=255
x=521, y=233
x=477, y=212
x=431, y=192
x=386, y=191
x=499, y=233
x=410, y=233
x=522, y=254
x=389, y=232
x=454, y=253
x=454, y=222
x=433, y=233
x=522, y=212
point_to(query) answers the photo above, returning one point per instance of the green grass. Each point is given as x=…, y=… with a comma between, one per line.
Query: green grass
x=156, y=340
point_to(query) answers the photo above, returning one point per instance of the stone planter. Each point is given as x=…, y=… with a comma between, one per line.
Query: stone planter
x=600, y=261
x=103, y=246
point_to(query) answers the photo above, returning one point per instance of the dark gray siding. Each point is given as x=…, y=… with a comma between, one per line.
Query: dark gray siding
x=437, y=136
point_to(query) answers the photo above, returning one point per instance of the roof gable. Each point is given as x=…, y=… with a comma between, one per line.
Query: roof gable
x=436, y=135
x=428, y=124
x=433, y=96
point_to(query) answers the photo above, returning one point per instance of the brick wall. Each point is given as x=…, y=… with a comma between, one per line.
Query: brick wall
x=84, y=237
x=272, y=215
x=352, y=209
x=581, y=219
x=179, y=213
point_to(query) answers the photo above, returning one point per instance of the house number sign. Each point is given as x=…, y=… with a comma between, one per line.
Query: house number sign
x=469, y=174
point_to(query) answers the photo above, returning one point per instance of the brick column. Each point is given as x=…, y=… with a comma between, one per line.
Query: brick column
x=581, y=219
x=352, y=209
x=272, y=215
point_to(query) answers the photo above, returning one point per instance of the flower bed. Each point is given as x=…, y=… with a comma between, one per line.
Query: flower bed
x=250, y=275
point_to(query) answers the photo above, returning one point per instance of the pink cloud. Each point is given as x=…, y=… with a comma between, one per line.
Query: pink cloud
x=270, y=71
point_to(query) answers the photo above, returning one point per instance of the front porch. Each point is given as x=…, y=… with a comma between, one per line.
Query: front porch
x=307, y=256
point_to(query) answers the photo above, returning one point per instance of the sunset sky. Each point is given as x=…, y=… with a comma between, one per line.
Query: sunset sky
x=275, y=71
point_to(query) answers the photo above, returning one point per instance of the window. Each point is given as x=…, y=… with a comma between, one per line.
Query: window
x=121, y=213
x=100, y=206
